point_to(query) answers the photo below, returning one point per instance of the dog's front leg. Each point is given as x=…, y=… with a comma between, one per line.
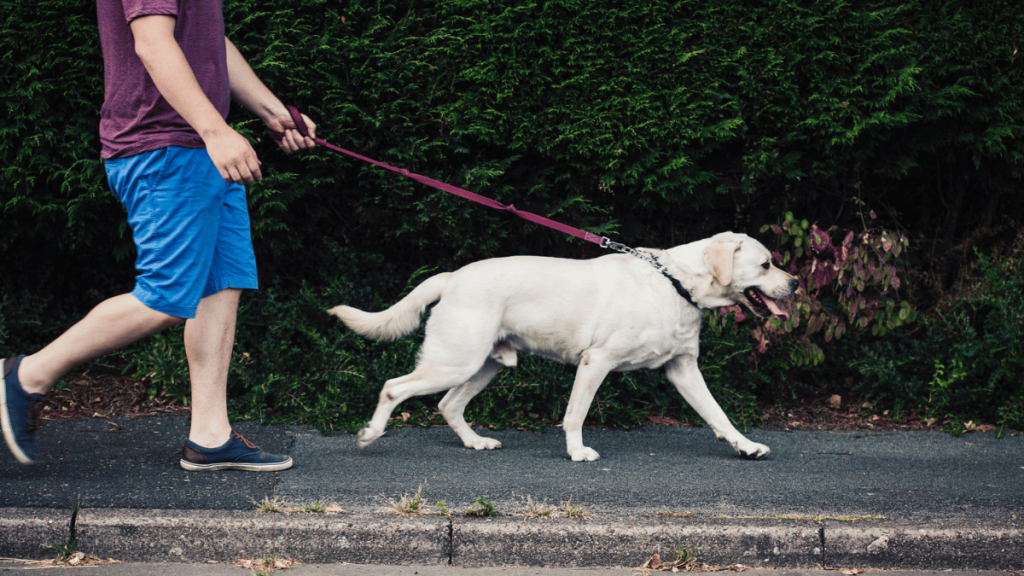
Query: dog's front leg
x=589, y=375
x=683, y=373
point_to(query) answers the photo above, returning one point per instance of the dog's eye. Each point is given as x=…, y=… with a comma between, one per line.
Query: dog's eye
x=766, y=265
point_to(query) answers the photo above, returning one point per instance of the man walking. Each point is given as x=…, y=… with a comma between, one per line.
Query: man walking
x=179, y=169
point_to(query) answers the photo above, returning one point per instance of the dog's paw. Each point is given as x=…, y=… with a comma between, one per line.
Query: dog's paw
x=366, y=436
x=754, y=451
x=481, y=443
x=584, y=455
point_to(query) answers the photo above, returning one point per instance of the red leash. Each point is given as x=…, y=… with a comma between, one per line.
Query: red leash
x=602, y=241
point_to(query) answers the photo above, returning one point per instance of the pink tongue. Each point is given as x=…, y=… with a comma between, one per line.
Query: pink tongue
x=774, y=307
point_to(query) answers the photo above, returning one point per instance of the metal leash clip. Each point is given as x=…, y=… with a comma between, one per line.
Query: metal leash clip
x=653, y=261
x=645, y=256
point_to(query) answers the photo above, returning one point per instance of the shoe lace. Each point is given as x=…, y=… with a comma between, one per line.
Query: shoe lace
x=36, y=414
x=245, y=440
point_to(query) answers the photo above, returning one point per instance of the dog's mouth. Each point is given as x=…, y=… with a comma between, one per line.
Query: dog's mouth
x=762, y=305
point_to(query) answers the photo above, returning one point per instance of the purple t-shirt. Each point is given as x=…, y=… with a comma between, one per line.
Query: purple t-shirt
x=135, y=118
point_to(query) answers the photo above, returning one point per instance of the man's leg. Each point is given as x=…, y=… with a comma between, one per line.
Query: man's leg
x=111, y=325
x=211, y=444
x=209, y=339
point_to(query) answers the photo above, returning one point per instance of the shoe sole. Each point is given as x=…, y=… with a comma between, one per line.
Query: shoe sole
x=192, y=467
x=5, y=423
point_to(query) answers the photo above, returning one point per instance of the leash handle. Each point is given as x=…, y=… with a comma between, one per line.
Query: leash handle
x=300, y=125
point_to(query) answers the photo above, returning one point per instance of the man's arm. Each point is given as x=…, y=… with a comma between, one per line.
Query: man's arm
x=249, y=91
x=170, y=71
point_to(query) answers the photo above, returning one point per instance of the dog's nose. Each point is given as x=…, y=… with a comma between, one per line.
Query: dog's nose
x=793, y=285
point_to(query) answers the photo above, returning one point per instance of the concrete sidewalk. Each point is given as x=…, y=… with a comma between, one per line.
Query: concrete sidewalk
x=892, y=500
x=136, y=569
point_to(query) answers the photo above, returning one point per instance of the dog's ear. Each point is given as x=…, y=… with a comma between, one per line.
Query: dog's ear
x=718, y=259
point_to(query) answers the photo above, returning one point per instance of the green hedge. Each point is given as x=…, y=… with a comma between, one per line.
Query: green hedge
x=966, y=364
x=622, y=118
x=653, y=122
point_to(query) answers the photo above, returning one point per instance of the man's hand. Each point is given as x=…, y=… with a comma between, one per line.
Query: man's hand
x=233, y=156
x=166, y=64
x=291, y=140
x=250, y=91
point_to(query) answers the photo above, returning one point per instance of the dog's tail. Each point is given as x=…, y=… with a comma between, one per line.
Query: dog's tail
x=399, y=320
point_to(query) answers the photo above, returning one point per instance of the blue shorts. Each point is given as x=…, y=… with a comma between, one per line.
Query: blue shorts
x=190, y=226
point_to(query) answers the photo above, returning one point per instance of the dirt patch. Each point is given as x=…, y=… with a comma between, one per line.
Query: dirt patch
x=97, y=394
x=94, y=394
x=827, y=413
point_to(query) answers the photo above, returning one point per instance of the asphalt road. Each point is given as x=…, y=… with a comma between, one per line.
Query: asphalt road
x=898, y=475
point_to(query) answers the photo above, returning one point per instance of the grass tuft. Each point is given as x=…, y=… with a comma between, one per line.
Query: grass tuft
x=408, y=504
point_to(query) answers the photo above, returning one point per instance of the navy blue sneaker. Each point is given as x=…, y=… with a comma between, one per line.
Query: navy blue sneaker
x=237, y=454
x=19, y=412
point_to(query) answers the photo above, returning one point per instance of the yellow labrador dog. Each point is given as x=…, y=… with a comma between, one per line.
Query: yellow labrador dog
x=612, y=313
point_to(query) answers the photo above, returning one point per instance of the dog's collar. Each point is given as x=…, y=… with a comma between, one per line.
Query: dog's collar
x=650, y=258
x=679, y=288
x=675, y=281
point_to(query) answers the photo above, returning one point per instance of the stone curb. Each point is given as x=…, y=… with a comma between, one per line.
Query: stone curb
x=134, y=535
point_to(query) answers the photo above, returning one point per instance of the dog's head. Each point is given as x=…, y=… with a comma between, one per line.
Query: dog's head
x=731, y=268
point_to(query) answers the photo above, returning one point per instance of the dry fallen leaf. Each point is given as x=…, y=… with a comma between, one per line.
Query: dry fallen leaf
x=835, y=401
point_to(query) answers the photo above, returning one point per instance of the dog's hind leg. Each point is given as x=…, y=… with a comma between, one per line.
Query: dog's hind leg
x=428, y=378
x=454, y=403
x=458, y=343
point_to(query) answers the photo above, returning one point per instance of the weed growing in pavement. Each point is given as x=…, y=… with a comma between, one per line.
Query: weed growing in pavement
x=482, y=508
x=69, y=549
x=442, y=508
x=269, y=505
x=538, y=510
x=65, y=551
x=671, y=514
x=315, y=507
x=684, y=555
x=571, y=511
x=684, y=559
x=266, y=565
x=408, y=504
